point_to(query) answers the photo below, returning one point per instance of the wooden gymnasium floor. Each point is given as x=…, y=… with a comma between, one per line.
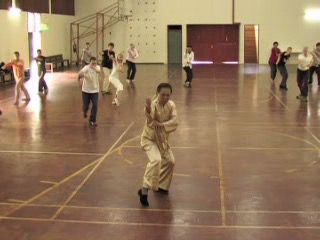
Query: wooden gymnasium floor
x=247, y=161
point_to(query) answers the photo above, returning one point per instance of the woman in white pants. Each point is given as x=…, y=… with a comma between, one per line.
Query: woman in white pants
x=114, y=77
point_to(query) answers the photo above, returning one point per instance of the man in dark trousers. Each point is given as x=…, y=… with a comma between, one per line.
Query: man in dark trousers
x=107, y=63
x=281, y=63
x=41, y=62
x=187, y=65
x=90, y=89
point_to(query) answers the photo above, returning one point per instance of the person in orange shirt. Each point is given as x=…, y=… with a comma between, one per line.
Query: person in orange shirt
x=18, y=71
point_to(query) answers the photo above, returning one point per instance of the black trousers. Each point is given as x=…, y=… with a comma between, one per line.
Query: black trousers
x=302, y=80
x=313, y=70
x=273, y=67
x=86, y=99
x=189, y=73
x=284, y=73
x=42, y=83
x=132, y=70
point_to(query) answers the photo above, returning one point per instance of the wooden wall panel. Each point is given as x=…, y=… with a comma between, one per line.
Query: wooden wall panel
x=5, y=4
x=217, y=43
x=35, y=6
x=65, y=7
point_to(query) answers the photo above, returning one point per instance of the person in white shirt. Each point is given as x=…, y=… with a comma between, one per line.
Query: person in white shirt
x=90, y=89
x=114, y=76
x=86, y=54
x=305, y=62
x=132, y=55
x=315, y=68
x=187, y=65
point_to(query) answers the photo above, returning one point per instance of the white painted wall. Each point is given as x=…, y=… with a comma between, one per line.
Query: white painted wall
x=147, y=28
x=281, y=21
x=14, y=35
x=57, y=39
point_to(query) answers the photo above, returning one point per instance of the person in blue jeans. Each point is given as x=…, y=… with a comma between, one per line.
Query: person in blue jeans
x=90, y=89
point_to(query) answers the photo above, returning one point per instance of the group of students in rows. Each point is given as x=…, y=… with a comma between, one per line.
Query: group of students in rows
x=308, y=64
x=18, y=69
x=112, y=66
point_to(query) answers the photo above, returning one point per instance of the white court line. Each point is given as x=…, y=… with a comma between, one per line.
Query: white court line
x=186, y=225
x=54, y=153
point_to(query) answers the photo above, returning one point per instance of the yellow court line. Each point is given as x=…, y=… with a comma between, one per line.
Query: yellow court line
x=6, y=99
x=314, y=136
x=166, y=224
x=100, y=161
x=278, y=98
x=164, y=210
x=132, y=146
x=216, y=100
x=299, y=139
x=128, y=161
x=222, y=190
x=66, y=179
x=50, y=188
x=16, y=201
x=49, y=182
x=266, y=148
x=181, y=175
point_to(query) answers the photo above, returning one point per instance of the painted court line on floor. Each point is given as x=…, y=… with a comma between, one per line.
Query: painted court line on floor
x=165, y=225
x=100, y=161
x=221, y=179
x=19, y=202
x=53, y=153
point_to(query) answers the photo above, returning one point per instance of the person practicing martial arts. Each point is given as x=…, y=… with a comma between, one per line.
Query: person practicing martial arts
x=114, y=77
x=41, y=62
x=107, y=68
x=86, y=55
x=90, y=89
x=305, y=62
x=275, y=52
x=18, y=71
x=161, y=120
x=132, y=55
x=315, y=68
x=187, y=66
x=281, y=63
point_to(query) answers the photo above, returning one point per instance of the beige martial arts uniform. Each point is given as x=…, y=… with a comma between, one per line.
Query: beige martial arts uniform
x=154, y=141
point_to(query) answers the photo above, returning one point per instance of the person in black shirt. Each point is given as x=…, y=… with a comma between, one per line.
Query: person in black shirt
x=282, y=60
x=107, y=63
x=41, y=61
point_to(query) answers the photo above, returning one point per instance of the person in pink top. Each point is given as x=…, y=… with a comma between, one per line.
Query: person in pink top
x=275, y=52
x=18, y=71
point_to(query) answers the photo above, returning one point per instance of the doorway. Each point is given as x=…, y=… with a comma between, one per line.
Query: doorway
x=175, y=44
x=251, y=43
x=34, y=37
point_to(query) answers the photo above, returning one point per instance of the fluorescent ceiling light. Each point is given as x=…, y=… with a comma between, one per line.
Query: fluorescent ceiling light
x=312, y=15
x=202, y=62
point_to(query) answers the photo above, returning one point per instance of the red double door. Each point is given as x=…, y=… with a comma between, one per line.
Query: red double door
x=217, y=43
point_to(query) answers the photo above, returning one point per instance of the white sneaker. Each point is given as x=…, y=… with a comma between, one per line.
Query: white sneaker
x=128, y=81
x=117, y=102
x=113, y=102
